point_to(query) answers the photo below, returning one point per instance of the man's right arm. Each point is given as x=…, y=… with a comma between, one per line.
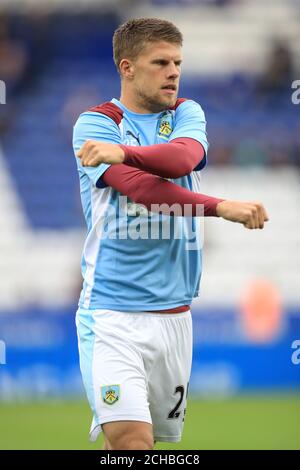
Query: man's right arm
x=160, y=195
x=150, y=190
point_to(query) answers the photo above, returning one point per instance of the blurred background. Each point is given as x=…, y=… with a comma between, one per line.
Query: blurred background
x=241, y=58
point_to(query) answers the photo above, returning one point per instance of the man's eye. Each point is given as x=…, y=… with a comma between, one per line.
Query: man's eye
x=161, y=62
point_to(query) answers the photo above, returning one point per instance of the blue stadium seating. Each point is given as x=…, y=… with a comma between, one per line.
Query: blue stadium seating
x=38, y=146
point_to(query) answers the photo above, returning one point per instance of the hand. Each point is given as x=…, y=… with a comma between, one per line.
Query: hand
x=92, y=153
x=251, y=214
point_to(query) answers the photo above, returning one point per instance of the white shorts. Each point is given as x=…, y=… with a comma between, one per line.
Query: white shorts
x=136, y=367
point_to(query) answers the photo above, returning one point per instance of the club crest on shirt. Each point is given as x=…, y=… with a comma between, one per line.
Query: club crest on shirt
x=165, y=129
x=110, y=394
x=165, y=125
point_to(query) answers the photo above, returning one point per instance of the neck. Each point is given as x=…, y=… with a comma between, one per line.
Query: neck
x=128, y=99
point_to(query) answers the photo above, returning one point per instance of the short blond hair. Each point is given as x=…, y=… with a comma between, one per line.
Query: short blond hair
x=131, y=37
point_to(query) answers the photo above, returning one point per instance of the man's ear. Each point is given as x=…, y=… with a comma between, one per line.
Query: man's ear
x=126, y=67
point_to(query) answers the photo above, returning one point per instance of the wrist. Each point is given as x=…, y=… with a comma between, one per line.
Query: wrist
x=220, y=207
x=125, y=151
x=122, y=153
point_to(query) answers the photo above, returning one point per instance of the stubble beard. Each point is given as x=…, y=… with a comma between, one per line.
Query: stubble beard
x=154, y=103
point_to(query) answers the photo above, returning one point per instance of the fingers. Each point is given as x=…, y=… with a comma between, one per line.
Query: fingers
x=92, y=158
x=250, y=223
x=265, y=214
x=89, y=153
x=84, y=151
x=251, y=217
x=262, y=215
x=86, y=146
x=256, y=216
x=261, y=218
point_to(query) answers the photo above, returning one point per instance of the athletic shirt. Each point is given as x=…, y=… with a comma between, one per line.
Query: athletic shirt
x=134, y=260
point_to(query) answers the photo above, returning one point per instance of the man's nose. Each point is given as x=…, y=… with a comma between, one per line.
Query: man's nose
x=173, y=71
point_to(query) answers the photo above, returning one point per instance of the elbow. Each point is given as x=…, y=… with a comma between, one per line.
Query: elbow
x=184, y=169
x=190, y=156
x=189, y=159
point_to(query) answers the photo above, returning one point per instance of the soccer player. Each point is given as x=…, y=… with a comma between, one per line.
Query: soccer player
x=139, y=160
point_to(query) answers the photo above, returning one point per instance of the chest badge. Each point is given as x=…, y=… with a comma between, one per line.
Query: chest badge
x=165, y=128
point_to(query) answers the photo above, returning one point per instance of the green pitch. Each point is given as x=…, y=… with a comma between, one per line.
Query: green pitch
x=260, y=422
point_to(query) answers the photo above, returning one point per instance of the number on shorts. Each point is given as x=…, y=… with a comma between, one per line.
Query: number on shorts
x=174, y=413
x=186, y=397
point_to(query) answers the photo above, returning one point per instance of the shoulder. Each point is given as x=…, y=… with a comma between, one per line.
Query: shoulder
x=179, y=101
x=185, y=103
x=186, y=107
x=106, y=113
x=98, y=123
x=110, y=110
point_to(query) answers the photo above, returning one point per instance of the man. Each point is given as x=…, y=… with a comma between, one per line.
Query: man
x=134, y=322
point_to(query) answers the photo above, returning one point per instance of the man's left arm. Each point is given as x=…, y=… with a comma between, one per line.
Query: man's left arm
x=185, y=152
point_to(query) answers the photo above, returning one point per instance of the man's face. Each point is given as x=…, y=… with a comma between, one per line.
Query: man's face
x=156, y=74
